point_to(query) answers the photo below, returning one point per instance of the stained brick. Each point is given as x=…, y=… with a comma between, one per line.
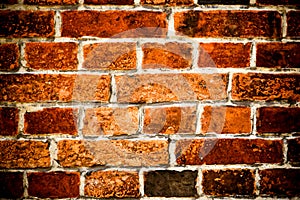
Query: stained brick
x=53, y=184
x=293, y=154
x=278, y=2
x=51, y=2
x=228, y=151
x=243, y=24
x=11, y=185
x=167, y=2
x=106, y=2
x=293, y=28
x=9, y=120
x=9, y=57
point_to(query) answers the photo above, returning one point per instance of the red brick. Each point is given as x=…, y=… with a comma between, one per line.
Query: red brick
x=224, y=55
x=252, y=86
x=106, y=2
x=51, y=56
x=53, y=184
x=9, y=120
x=223, y=119
x=228, y=151
x=293, y=28
x=51, y=2
x=293, y=154
x=280, y=182
x=243, y=24
x=228, y=182
x=112, y=184
x=11, y=185
x=167, y=2
x=51, y=121
x=278, y=120
x=9, y=57
x=278, y=2
x=9, y=1
x=225, y=2
x=113, y=24
x=26, y=23
x=171, y=87
x=24, y=154
x=169, y=55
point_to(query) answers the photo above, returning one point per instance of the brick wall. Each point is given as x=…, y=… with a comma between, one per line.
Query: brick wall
x=149, y=98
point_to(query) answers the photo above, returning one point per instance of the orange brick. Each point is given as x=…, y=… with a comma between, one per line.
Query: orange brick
x=51, y=2
x=9, y=57
x=108, y=2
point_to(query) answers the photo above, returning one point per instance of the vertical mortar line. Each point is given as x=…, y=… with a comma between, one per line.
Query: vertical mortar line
x=82, y=183
x=80, y=2
x=57, y=24
x=137, y=2
x=285, y=150
x=141, y=119
x=199, y=113
x=22, y=112
x=139, y=56
x=172, y=156
x=113, y=89
x=284, y=23
x=229, y=86
x=253, y=55
x=81, y=115
x=195, y=1
x=199, y=182
x=25, y=184
x=171, y=27
x=53, y=154
x=80, y=56
x=254, y=120
x=23, y=62
x=20, y=1
x=141, y=181
x=252, y=2
x=257, y=182
x=195, y=55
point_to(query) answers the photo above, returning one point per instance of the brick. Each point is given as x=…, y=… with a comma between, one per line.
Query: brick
x=54, y=87
x=112, y=184
x=148, y=88
x=51, y=56
x=11, y=185
x=293, y=154
x=24, y=154
x=163, y=183
x=111, y=121
x=9, y=1
x=26, y=23
x=170, y=120
x=228, y=182
x=113, y=24
x=75, y=153
x=278, y=55
x=225, y=2
x=278, y=2
x=280, y=182
x=228, y=151
x=110, y=56
x=51, y=2
x=293, y=28
x=221, y=119
x=9, y=57
x=224, y=55
x=252, y=86
x=112, y=2
x=51, y=121
x=278, y=120
x=9, y=120
x=53, y=184
x=167, y=2
x=169, y=55
x=243, y=24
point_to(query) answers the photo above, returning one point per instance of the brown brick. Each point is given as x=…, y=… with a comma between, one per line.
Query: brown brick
x=225, y=2
x=269, y=87
x=224, y=55
x=171, y=87
x=111, y=121
x=110, y=56
x=11, y=185
x=293, y=29
x=113, y=24
x=54, y=87
x=280, y=182
x=106, y=2
x=51, y=2
x=9, y=120
x=24, y=154
x=112, y=184
x=278, y=120
x=293, y=153
x=9, y=1
x=244, y=24
x=278, y=2
x=169, y=55
x=221, y=119
x=228, y=182
x=53, y=184
x=228, y=151
x=170, y=120
x=162, y=183
x=26, y=23
x=167, y=2
x=51, y=56
x=9, y=57
x=72, y=153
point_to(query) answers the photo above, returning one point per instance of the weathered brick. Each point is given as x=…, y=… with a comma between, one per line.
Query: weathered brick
x=110, y=56
x=51, y=56
x=169, y=55
x=228, y=151
x=74, y=153
x=9, y=57
x=243, y=24
x=170, y=120
x=221, y=119
x=11, y=185
x=54, y=87
x=53, y=184
x=24, y=154
x=167, y=2
x=113, y=24
x=293, y=28
x=9, y=120
x=278, y=120
x=26, y=23
x=224, y=55
x=269, y=87
x=171, y=87
x=278, y=2
x=51, y=2
x=228, y=182
x=224, y=2
x=293, y=154
x=111, y=121
x=113, y=2
x=163, y=183
x=112, y=184
x=280, y=182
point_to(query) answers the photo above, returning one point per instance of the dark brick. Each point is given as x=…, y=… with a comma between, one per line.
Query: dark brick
x=9, y=57
x=9, y=120
x=11, y=185
x=225, y=2
x=51, y=2
x=167, y=2
x=293, y=28
x=107, y=2
x=293, y=153
x=278, y=2
x=9, y=1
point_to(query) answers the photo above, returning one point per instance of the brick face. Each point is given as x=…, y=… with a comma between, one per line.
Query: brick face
x=224, y=2
x=9, y=57
x=167, y=2
x=293, y=153
x=277, y=2
x=11, y=185
x=113, y=2
x=293, y=28
x=9, y=120
x=51, y=2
